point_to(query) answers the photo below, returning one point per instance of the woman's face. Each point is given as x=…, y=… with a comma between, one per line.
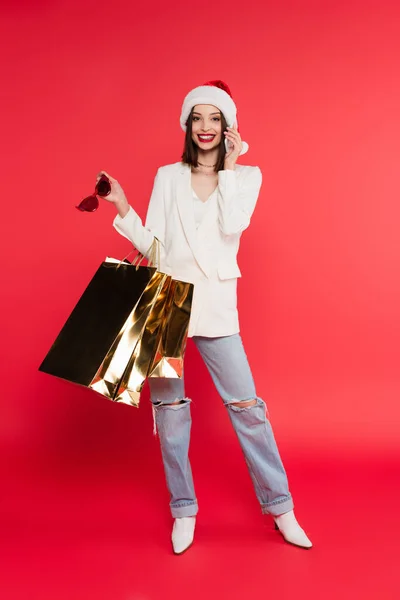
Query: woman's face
x=206, y=126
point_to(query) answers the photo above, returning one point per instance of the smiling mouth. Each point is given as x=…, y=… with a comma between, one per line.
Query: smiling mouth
x=206, y=138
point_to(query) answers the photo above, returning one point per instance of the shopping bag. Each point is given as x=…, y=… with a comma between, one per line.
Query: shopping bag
x=160, y=349
x=170, y=349
x=100, y=346
x=130, y=358
x=163, y=342
x=130, y=323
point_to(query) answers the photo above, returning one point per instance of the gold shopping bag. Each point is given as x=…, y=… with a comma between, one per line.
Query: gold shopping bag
x=100, y=345
x=131, y=322
x=170, y=350
x=165, y=335
x=129, y=359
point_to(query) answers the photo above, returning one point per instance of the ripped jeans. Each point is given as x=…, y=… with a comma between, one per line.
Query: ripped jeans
x=227, y=363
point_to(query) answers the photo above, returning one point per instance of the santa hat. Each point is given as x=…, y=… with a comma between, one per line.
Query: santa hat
x=216, y=93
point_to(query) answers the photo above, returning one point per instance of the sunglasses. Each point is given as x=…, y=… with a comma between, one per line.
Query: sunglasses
x=91, y=203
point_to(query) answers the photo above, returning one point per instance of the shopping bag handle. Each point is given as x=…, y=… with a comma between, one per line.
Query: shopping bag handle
x=153, y=252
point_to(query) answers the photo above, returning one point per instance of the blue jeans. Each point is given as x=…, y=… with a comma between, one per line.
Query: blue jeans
x=227, y=363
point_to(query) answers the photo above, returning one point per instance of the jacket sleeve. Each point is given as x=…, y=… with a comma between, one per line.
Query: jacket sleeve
x=236, y=201
x=131, y=226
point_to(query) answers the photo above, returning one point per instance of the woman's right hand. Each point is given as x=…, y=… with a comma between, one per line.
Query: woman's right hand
x=116, y=196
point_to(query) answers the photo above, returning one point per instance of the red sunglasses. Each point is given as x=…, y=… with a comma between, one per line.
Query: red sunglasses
x=91, y=203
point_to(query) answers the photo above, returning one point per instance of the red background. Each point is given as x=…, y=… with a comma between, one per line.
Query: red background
x=89, y=86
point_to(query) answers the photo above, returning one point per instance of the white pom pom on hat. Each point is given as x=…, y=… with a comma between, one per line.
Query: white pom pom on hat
x=218, y=94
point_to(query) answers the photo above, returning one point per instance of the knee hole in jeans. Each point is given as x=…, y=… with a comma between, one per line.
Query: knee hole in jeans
x=243, y=403
x=176, y=402
x=247, y=404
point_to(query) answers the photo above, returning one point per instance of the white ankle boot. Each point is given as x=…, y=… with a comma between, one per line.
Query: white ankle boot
x=290, y=529
x=183, y=533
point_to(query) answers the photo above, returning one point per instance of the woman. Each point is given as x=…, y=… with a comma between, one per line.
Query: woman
x=198, y=209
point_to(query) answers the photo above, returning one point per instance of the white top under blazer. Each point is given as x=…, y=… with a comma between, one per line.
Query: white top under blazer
x=205, y=255
x=200, y=208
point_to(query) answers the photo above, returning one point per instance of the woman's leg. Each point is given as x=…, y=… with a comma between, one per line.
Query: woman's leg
x=227, y=363
x=172, y=417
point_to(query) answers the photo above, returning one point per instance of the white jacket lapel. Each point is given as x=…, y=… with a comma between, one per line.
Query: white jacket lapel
x=186, y=213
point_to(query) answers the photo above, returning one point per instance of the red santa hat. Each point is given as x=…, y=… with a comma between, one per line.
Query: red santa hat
x=218, y=94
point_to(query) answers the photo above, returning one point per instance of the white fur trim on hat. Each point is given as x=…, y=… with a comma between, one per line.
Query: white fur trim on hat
x=209, y=94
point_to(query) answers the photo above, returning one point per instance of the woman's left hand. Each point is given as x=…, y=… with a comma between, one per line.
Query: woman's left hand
x=234, y=138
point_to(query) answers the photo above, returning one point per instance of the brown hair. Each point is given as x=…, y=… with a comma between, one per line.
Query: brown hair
x=190, y=150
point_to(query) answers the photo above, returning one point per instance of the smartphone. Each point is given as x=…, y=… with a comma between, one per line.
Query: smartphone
x=228, y=144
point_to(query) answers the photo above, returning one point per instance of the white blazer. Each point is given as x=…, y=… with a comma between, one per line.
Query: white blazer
x=207, y=256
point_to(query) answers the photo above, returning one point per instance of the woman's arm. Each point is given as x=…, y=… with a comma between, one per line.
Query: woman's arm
x=130, y=225
x=236, y=202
